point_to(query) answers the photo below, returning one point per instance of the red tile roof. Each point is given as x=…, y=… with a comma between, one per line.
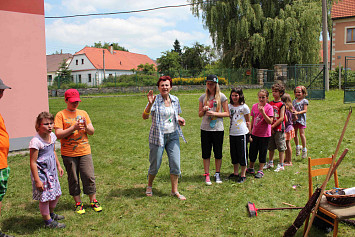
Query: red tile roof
x=54, y=60
x=344, y=8
x=119, y=60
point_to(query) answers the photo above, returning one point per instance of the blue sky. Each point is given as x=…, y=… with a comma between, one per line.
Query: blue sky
x=147, y=33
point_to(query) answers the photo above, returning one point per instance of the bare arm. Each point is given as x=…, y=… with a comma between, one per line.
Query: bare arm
x=34, y=170
x=302, y=111
x=202, y=109
x=220, y=114
x=59, y=167
x=62, y=133
x=266, y=118
x=247, y=120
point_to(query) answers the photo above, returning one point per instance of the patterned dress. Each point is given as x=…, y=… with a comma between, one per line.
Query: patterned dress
x=47, y=170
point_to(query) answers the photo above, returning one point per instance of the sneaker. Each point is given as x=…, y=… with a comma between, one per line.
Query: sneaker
x=298, y=150
x=259, y=175
x=218, y=178
x=250, y=171
x=279, y=168
x=233, y=177
x=79, y=208
x=96, y=206
x=56, y=217
x=268, y=165
x=55, y=225
x=208, y=180
x=241, y=179
x=304, y=153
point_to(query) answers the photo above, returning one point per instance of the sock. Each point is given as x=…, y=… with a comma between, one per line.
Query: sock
x=52, y=215
x=281, y=164
x=304, y=149
x=47, y=222
x=271, y=162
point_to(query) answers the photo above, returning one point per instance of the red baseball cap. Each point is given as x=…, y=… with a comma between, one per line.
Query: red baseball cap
x=72, y=95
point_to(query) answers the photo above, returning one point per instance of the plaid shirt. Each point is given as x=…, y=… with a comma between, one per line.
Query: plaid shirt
x=156, y=134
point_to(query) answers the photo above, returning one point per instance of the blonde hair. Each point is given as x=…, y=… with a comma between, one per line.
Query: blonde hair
x=286, y=98
x=41, y=116
x=217, y=97
x=303, y=89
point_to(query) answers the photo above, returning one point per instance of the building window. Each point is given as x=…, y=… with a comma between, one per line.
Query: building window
x=350, y=35
x=82, y=61
x=79, y=76
x=77, y=62
x=49, y=78
x=89, y=77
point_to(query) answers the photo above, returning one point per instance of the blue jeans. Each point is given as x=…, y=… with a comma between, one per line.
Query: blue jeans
x=172, y=147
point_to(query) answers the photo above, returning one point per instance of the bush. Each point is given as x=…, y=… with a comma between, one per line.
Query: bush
x=139, y=79
x=196, y=81
x=334, y=78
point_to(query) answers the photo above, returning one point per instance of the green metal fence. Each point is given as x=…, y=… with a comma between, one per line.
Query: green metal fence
x=349, y=80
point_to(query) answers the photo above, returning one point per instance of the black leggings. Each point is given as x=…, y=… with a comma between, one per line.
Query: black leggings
x=258, y=145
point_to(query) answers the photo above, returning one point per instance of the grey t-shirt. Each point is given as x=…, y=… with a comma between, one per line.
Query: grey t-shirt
x=206, y=124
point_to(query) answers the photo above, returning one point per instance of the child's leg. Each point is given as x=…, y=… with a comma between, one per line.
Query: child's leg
x=53, y=204
x=206, y=165
x=44, y=209
x=296, y=136
x=243, y=172
x=218, y=163
x=271, y=156
x=236, y=169
x=303, y=137
x=288, y=152
x=282, y=157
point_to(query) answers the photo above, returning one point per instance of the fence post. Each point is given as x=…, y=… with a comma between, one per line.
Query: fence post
x=115, y=79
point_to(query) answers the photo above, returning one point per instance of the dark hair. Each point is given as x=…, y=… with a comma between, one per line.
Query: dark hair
x=165, y=78
x=41, y=116
x=239, y=91
x=279, y=87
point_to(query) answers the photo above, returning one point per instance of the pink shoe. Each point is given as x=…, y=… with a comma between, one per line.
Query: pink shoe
x=208, y=180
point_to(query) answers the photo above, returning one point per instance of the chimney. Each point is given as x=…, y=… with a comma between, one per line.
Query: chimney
x=110, y=48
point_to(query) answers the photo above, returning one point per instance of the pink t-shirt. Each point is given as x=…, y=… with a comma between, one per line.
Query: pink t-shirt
x=260, y=127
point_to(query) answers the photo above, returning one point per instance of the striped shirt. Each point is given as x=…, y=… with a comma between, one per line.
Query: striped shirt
x=156, y=134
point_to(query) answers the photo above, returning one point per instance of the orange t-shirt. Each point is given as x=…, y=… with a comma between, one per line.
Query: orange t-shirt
x=4, y=144
x=77, y=144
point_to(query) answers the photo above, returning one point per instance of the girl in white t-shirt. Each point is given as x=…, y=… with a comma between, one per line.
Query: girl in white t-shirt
x=239, y=129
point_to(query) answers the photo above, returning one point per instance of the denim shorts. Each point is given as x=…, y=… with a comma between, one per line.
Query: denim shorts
x=172, y=147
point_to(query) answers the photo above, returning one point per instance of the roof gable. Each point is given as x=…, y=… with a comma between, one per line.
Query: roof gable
x=343, y=9
x=54, y=61
x=119, y=60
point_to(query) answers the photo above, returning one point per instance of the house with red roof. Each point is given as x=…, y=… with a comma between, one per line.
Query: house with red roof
x=343, y=36
x=53, y=63
x=91, y=65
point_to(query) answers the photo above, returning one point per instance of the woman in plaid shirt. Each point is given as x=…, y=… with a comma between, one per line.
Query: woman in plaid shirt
x=164, y=133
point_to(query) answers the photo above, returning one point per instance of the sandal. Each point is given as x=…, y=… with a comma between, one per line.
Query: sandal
x=179, y=196
x=149, y=191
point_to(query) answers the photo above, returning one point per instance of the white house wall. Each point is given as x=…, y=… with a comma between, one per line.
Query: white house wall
x=97, y=76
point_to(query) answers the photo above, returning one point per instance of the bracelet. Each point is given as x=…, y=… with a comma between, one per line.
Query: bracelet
x=146, y=112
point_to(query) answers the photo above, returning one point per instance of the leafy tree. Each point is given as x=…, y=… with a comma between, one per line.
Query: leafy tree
x=177, y=47
x=146, y=67
x=64, y=74
x=261, y=33
x=106, y=45
x=169, y=61
x=196, y=57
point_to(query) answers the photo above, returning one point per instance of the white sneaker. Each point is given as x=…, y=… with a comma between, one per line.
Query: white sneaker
x=279, y=168
x=268, y=165
x=304, y=153
x=218, y=178
x=298, y=150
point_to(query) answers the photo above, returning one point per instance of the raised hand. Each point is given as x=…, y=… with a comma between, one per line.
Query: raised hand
x=151, y=97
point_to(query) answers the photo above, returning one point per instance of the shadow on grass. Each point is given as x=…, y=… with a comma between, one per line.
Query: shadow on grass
x=22, y=224
x=133, y=193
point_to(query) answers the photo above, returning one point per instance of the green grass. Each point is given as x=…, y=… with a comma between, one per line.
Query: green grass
x=120, y=152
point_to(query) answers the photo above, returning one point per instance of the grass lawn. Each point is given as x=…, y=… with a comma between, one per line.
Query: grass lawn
x=120, y=152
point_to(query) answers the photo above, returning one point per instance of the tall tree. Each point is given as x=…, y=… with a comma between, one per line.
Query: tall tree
x=169, y=61
x=261, y=33
x=177, y=47
x=196, y=57
x=106, y=45
x=64, y=74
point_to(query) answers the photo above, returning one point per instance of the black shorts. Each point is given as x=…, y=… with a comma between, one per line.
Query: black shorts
x=258, y=145
x=211, y=139
x=239, y=149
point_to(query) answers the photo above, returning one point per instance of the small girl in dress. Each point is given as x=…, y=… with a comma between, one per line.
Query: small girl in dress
x=44, y=166
x=289, y=130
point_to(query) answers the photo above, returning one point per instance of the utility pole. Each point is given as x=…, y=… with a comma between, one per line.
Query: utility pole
x=103, y=55
x=325, y=43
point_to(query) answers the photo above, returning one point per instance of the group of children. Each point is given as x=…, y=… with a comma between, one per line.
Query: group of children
x=273, y=125
x=72, y=127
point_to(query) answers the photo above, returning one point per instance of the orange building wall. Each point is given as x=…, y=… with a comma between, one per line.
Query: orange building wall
x=23, y=67
x=339, y=46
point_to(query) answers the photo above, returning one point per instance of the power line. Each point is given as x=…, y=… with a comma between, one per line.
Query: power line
x=124, y=12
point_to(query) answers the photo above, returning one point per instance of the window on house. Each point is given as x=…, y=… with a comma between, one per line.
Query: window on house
x=350, y=35
x=79, y=77
x=89, y=77
x=49, y=78
x=77, y=62
x=82, y=61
